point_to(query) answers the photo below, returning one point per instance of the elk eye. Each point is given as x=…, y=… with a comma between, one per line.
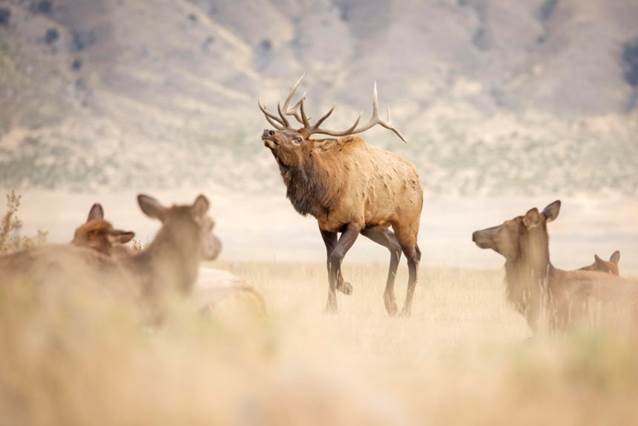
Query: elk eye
x=297, y=140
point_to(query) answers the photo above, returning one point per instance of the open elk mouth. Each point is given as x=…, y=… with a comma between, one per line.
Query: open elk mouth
x=269, y=142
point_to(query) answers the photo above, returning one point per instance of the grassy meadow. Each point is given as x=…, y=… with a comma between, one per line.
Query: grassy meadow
x=73, y=356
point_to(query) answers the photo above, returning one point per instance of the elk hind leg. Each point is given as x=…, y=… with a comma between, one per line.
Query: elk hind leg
x=407, y=239
x=386, y=238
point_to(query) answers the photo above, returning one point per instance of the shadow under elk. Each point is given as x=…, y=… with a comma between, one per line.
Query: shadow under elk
x=351, y=188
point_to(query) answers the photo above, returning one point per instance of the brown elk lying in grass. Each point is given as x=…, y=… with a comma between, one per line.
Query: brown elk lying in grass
x=534, y=285
x=169, y=264
x=351, y=188
x=214, y=287
x=609, y=266
x=98, y=234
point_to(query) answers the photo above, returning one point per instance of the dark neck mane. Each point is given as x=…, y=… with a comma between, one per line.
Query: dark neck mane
x=310, y=188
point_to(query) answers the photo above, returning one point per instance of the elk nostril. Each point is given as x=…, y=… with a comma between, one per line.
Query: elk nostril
x=271, y=132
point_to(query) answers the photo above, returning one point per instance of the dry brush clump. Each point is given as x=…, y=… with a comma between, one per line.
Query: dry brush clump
x=11, y=226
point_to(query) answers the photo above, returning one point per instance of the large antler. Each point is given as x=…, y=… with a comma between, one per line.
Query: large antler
x=281, y=122
x=297, y=111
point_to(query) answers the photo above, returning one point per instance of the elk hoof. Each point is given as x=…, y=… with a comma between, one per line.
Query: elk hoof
x=345, y=288
x=391, y=307
x=405, y=313
x=331, y=308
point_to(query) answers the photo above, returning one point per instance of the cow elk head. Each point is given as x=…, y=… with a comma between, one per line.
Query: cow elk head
x=98, y=234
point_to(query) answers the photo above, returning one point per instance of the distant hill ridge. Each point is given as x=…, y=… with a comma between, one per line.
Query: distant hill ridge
x=90, y=89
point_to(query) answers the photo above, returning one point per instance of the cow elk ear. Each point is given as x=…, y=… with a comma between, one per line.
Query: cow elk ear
x=532, y=218
x=117, y=236
x=96, y=213
x=151, y=207
x=551, y=211
x=615, y=257
x=200, y=206
x=597, y=259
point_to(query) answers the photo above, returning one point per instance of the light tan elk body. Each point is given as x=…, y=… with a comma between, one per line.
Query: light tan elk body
x=534, y=285
x=609, y=266
x=351, y=188
x=169, y=264
x=98, y=234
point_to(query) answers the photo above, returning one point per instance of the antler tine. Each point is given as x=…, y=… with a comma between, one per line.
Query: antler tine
x=292, y=93
x=295, y=113
x=304, y=117
x=395, y=131
x=322, y=119
x=272, y=119
x=374, y=120
x=283, y=116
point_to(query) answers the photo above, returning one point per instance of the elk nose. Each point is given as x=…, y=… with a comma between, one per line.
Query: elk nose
x=268, y=133
x=474, y=236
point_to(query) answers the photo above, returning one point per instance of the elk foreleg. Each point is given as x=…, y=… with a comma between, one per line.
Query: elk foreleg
x=387, y=239
x=335, y=258
x=330, y=239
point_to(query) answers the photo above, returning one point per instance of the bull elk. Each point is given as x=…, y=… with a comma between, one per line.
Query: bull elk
x=609, y=266
x=534, y=285
x=350, y=188
x=98, y=234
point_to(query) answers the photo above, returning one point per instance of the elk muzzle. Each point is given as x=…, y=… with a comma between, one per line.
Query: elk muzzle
x=268, y=136
x=212, y=247
x=485, y=238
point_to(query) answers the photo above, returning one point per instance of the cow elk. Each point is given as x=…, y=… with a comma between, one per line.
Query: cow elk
x=534, y=286
x=169, y=264
x=609, y=266
x=350, y=188
x=99, y=235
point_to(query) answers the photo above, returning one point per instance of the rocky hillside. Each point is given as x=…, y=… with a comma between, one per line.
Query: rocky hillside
x=494, y=96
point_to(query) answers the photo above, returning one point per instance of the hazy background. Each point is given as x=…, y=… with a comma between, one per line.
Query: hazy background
x=506, y=105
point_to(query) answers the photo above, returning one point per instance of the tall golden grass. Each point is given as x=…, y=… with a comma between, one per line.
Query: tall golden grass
x=76, y=356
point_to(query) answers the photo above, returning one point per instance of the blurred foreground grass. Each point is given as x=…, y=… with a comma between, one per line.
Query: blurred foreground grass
x=70, y=356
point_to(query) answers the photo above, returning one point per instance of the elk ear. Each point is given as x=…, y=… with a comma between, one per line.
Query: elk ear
x=120, y=237
x=96, y=212
x=615, y=257
x=551, y=211
x=200, y=206
x=151, y=207
x=532, y=218
x=597, y=259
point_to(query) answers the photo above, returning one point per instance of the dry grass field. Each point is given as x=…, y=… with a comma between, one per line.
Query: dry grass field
x=70, y=356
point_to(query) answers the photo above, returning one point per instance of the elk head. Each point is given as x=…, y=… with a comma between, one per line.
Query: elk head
x=525, y=234
x=188, y=225
x=291, y=146
x=608, y=266
x=98, y=234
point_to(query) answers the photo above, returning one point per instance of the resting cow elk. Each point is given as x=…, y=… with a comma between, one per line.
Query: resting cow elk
x=98, y=234
x=609, y=266
x=534, y=285
x=351, y=188
x=170, y=263
x=213, y=288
